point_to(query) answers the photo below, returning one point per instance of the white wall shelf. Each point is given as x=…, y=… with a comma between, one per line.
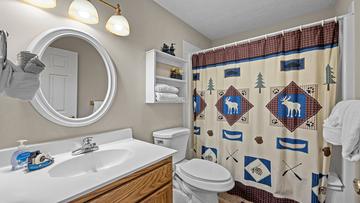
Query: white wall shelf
x=156, y=60
x=170, y=80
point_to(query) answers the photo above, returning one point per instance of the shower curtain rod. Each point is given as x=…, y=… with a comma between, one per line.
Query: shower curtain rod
x=273, y=34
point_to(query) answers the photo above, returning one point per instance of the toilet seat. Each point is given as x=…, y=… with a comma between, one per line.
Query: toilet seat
x=205, y=175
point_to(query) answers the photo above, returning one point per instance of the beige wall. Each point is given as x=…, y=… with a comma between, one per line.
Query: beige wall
x=342, y=7
x=150, y=27
x=357, y=46
x=308, y=18
x=92, y=78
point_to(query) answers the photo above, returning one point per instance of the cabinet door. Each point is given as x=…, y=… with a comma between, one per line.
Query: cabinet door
x=135, y=187
x=163, y=195
x=139, y=188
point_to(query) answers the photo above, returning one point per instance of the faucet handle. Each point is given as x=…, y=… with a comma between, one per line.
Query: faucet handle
x=87, y=140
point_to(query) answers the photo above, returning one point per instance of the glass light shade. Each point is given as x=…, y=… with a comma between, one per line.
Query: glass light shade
x=83, y=11
x=42, y=3
x=118, y=25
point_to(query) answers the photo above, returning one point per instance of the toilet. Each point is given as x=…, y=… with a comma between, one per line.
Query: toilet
x=195, y=180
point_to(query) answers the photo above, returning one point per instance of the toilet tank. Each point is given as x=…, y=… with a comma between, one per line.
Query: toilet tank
x=174, y=138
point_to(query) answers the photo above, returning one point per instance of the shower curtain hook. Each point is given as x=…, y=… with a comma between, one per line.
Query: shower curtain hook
x=301, y=28
x=283, y=32
x=322, y=23
x=266, y=37
x=336, y=19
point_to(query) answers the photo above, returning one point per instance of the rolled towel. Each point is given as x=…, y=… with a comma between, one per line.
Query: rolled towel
x=164, y=88
x=24, y=57
x=166, y=96
x=34, y=66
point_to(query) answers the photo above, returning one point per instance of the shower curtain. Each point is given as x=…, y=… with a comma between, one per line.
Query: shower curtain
x=259, y=109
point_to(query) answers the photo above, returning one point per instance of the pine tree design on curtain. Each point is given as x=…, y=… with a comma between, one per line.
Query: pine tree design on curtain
x=260, y=82
x=211, y=85
x=329, y=76
x=272, y=124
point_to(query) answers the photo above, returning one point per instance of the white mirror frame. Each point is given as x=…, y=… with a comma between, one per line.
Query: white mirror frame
x=39, y=45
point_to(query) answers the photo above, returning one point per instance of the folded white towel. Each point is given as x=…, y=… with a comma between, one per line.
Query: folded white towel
x=164, y=88
x=168, y=97
x=343, y=128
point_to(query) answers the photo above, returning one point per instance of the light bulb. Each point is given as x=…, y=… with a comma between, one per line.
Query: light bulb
x=42, y=3
x=83, y=11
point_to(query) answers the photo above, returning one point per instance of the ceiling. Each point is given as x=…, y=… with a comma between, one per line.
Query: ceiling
x=220, y=18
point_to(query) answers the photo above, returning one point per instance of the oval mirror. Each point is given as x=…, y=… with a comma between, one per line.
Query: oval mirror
x=78, y=84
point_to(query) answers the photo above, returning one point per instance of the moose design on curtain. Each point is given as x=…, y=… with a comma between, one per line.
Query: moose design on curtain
x=264, y=103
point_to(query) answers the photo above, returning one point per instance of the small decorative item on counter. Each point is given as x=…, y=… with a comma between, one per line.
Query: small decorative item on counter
x=172, y=49
x=176, y=73
x=38, y=160
x=165, y=48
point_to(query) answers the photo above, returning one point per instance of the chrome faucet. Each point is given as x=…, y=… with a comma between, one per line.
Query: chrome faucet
x=87, y=146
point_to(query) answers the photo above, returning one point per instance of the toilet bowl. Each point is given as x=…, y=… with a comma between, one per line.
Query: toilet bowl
x=202, y=180
x=179, y=196
x=195, y=180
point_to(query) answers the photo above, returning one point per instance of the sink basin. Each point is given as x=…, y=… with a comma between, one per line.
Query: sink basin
x=90, y=163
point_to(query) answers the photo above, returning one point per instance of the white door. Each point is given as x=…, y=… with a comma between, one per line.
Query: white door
x=59, y=80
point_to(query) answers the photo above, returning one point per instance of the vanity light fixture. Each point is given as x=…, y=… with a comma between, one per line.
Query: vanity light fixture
x=117, y=24
x=83, y=11
x=42, y=3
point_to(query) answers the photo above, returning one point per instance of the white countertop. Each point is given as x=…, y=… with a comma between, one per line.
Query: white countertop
x=39, y=187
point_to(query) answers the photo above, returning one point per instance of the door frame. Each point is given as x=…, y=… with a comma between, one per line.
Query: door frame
x=188, y=50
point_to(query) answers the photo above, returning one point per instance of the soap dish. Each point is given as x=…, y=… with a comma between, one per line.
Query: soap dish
x=38, y=160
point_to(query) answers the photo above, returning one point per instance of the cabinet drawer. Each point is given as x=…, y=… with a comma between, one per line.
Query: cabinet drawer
x=163, y=195
x=139, y=188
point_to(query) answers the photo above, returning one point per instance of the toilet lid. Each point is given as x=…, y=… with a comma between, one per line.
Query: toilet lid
x=205, y=170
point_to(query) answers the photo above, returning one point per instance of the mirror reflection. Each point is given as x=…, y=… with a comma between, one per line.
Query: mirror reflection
x=74, y=82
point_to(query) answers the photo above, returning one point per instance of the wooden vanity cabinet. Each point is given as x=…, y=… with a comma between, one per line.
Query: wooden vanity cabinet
x=149, y=185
